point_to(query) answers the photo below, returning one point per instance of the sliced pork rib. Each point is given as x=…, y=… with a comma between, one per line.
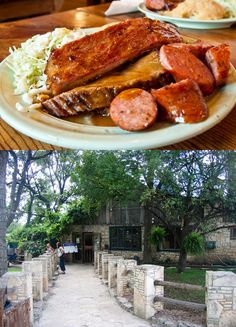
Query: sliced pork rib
x=84, y=60
x=146, y=73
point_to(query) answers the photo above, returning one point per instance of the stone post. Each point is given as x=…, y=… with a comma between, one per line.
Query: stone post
x=125, y=271
x=49, y=265
x=99, y=262
x=112, y=271
x=95, y=260
x=45, y=272
x=35, y=269
x=19, y=285
x=27, y=256
x=52, y=265
x=145, y=290
x=221, y=298
x=105, y=257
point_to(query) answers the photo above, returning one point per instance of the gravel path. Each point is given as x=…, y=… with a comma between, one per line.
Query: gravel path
x=80, y=300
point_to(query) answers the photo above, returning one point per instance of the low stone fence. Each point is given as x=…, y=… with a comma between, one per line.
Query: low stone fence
x=26, y=290
x=144, y=286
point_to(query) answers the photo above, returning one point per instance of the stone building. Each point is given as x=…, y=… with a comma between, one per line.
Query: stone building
x=120, y=230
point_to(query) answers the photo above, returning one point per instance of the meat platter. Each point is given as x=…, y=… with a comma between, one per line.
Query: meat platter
x=144, y=73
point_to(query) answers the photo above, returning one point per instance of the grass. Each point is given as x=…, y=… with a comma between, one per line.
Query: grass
x=194, y=276
x=14, y=269
x=190, y=276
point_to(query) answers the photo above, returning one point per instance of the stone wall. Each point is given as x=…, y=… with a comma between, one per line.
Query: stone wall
x=138, y=281
x=112, y=272
x=35, y=269
x=125, y=277
x=30, y=283
x=221, y=299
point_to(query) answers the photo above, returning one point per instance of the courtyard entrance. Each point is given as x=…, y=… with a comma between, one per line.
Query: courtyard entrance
x=88, y=247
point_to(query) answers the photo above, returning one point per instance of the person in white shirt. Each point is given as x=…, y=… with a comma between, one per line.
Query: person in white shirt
x=61, y=256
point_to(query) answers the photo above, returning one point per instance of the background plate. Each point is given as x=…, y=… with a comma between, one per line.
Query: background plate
x=188, y=23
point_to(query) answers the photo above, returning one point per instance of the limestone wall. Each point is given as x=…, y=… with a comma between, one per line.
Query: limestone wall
x=112, y=271
x=19, y=285
x=35, y=269
x=221, y=299
x=125, y=277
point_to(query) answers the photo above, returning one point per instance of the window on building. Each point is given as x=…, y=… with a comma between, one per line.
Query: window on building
x=170, y=243
x=233, y=233
x=125, y=238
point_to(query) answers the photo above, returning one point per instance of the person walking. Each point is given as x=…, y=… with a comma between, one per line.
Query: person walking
x=61, y=256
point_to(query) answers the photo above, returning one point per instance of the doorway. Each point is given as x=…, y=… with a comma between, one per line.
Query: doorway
x=87, y=247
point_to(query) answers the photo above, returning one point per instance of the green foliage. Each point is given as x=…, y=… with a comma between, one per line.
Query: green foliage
x=157, y=236
x=194, y=243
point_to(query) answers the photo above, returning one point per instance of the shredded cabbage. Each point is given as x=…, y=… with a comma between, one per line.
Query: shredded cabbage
x=29, y=61
x=229, y=6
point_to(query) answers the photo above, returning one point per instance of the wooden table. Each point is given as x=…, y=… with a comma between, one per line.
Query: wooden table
x=222, y=136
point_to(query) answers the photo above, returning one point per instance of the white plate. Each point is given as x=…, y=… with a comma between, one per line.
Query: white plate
x=188, y=23
x=49, y=129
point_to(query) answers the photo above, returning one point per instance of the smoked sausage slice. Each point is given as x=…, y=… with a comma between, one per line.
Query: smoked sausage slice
x=181, y=102
x=183, y=64
x=134, y=110
x=197, y=48
x=155, y=4
x=218, y=60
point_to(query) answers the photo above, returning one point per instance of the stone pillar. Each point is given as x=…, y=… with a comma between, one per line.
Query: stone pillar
x=19, y=285
x=125, y=275
x=35, y=268
x=95, y=260
x=52, y=264
x=145, y=290
x=112, y=271
x=27, y=256
x=221, y=298
x=105, y=257
x=99, y=262
x=49, y=265
x=45, y=272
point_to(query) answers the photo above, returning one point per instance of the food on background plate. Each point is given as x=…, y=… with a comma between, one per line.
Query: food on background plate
x=134, y=110
x=144, y=64
x=192, y=9
x=162, y=4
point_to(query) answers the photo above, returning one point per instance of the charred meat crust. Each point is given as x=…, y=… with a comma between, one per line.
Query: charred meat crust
x=90, y=57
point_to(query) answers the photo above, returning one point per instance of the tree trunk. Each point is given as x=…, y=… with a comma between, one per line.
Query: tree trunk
x=147, y=257
x=182, y=260
x=3, y=212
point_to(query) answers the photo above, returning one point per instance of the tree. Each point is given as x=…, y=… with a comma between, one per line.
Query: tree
x=3, y=213
x=14, y=168
x=185, y=189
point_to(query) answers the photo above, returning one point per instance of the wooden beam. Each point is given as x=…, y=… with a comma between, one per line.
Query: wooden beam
x=185, y=304
x=182, y=286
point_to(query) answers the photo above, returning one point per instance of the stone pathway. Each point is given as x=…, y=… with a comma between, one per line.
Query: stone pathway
x=80, y=300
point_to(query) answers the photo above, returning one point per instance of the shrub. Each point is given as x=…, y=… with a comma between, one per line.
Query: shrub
x=157, y=236
x=194, y=243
